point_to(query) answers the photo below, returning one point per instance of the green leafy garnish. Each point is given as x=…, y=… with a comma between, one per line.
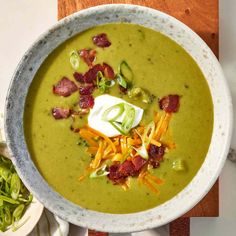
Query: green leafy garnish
x=99, y=172
x=74, y=59
x=103, y=83
x=14, y=197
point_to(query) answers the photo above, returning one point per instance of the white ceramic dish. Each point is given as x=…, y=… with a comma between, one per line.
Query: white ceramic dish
x=221, y=136
x=33, y=211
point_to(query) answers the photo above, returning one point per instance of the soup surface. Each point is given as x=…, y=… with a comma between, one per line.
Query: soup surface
x=159, y=66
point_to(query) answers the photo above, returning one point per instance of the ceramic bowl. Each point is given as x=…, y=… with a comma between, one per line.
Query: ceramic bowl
x=218, y=149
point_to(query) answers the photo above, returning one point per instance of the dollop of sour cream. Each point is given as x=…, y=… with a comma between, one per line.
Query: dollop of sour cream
x=101, y=104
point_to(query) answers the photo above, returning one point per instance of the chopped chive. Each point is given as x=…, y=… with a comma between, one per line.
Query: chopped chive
x=74, y=59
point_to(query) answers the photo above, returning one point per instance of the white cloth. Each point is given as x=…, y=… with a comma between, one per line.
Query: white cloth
x=50, y=225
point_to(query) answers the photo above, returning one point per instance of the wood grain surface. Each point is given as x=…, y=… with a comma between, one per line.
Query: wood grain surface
x=203, y=17
x=200, y=15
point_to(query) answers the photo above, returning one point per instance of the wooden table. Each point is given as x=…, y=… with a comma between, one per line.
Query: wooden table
x=203, y=17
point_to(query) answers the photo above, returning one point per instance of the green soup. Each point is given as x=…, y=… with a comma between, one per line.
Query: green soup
x=160, y=66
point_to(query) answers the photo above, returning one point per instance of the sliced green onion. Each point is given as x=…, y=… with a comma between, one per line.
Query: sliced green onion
x=125, y=70
x=74, y=59
x=142, y=151
x=17, y=213
x=146, y=139
x=9, y=200
x=15, y=186
x=148, y=133
x=13, y=196
x=99, y=172
x=7, y=215
x=112, y=113
x=128, y=118
x=103, y=83
x=117, y=126
x=121, y=80
x=124, y=76
x=5, y=173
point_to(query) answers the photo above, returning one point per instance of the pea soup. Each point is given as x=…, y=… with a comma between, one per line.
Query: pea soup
x=118, y=118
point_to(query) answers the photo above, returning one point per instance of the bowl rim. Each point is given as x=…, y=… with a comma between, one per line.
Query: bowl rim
x=88, y=218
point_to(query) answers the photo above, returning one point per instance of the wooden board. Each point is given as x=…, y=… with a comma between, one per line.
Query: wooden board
x=203, y=17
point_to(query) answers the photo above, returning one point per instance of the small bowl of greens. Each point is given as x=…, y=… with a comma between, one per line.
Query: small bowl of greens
x=19, y=210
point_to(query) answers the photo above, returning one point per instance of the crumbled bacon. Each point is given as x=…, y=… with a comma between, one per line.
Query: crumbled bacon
x=60, y=113
x=108, y=71
x=101, y=40
x=138, y=162
x=155, y=155
x=86, y=101
x=91, y=75
x=79, y=77
x=127, y=169
x=65, y=87
x=86, y=89
x=114, y=175
x=169, y=103
x=88, y=55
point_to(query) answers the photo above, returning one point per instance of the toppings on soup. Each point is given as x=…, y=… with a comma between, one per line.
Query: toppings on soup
x=114, y=116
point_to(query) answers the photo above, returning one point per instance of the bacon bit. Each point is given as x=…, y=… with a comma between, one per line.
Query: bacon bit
x=86, y=101
x=91, y=75
x=88, y=55
x=127, y=169
x=64, y=87
x=101, y=40
x=108, y=71
x=86, y=89
x=79, y=77
x=156, y=152
x=115, y=176
x=138, y=162
x=155, y=155
x=169, y=103
x=60, y=113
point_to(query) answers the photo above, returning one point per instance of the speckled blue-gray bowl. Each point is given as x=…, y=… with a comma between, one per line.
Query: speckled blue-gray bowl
x=218, y=149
